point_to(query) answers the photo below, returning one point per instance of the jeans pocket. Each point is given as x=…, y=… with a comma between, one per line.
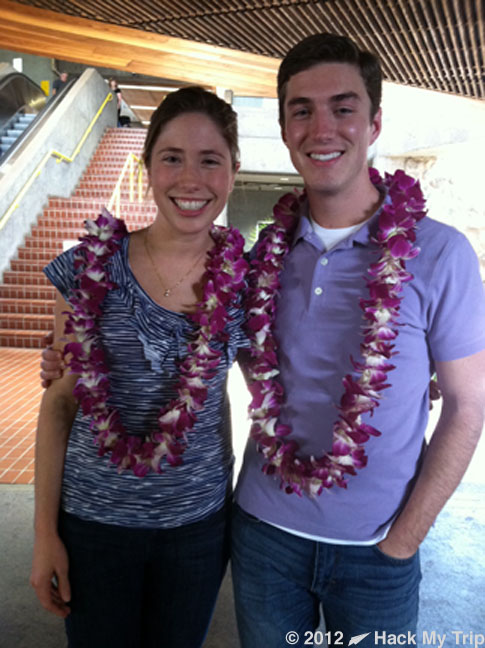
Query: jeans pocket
x=391, y=560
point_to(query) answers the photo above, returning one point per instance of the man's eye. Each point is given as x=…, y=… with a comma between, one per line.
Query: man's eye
x=211, y=162
x=301, y=112
x=170, y=159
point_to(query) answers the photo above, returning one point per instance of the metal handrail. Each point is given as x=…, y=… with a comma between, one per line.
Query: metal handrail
x=60, y=157
x=115, y=199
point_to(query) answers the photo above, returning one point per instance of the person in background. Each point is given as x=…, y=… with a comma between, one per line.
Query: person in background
x=60, y=83
x=370, y=298
x=133, y=454
x=113, y=84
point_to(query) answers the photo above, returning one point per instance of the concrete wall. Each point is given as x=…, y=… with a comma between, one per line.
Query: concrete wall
x=61, y=131
x=415, y=121
x=262, y=149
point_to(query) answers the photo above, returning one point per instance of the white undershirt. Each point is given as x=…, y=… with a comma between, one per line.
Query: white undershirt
x=332, y=237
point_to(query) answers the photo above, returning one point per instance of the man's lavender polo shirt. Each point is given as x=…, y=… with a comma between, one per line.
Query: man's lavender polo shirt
x=317, y=326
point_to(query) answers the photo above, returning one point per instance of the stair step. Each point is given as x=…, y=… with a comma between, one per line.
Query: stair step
x=45, y=293
x=105, y=167
x=22, y=339
x=102, y=193
x=109, y=185
x=27, y=118
x=25, y=322
x=76, y=217
x=44, y=255
x=57, y=233
x=42, y=244
x=15, y=278
x=21, y=265
x=67, y=231
x=93, y=205
x=105, y=175
x=27, y=306
x=117, y=150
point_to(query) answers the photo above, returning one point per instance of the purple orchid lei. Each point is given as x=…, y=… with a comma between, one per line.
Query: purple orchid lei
x=224, y=277
x=395, y=239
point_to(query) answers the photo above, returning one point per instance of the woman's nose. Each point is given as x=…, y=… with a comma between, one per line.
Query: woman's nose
x=189, y=175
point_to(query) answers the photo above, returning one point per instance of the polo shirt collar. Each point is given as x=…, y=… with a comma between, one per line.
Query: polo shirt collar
x=363, y=236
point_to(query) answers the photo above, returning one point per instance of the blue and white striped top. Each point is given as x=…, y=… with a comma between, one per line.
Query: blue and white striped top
x=143, y=343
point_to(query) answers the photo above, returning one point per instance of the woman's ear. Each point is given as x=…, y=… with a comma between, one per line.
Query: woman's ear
x=149, y=185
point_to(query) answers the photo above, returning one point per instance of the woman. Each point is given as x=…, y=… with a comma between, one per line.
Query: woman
x=123, y=554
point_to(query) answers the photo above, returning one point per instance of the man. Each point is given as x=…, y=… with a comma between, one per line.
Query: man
x=353, y=551
x=59, y=84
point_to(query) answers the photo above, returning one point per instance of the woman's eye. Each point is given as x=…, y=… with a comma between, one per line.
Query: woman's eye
x=170, y=159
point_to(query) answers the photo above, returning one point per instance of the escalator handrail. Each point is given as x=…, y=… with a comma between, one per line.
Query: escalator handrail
x=8, y=77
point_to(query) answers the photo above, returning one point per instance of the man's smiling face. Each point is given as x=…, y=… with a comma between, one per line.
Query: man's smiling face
x=328, y=128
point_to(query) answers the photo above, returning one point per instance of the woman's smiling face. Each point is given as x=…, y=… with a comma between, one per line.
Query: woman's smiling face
x=191, y=173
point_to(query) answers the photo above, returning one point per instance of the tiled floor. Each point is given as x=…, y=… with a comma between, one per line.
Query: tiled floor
x=20, y=394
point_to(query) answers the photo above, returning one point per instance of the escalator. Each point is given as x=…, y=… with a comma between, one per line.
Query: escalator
x=21, y=103
x=14, y=128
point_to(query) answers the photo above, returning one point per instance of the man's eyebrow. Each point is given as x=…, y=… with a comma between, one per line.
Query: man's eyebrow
x=298, y=100
x=345, y=96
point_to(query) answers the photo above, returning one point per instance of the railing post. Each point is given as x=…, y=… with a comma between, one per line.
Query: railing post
x=140, y=181
x=131, y=178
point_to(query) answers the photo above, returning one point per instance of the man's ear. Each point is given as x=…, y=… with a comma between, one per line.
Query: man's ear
x=283, y=133
x=376, y=126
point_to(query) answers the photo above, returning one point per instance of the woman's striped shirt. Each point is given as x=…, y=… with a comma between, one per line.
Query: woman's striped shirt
x=143, y=343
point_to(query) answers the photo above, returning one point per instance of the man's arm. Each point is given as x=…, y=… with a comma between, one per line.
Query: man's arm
x=462, y=383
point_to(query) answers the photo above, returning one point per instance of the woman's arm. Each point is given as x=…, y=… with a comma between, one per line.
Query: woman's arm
x=57, y=411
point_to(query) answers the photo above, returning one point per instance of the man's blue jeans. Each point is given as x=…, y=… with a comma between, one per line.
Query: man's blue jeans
x=280, y=580
x=143, y=588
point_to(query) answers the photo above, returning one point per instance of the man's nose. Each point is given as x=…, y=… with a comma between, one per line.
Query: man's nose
x=323, y=124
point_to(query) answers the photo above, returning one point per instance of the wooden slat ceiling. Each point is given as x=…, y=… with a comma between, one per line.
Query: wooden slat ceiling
x=434, y=44
x=51, y=34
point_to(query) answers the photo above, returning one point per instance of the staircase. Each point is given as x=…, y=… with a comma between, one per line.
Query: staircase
x=26, y=296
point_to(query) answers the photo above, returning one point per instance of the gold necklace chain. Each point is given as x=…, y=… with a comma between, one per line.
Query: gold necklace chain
x=168, y=291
